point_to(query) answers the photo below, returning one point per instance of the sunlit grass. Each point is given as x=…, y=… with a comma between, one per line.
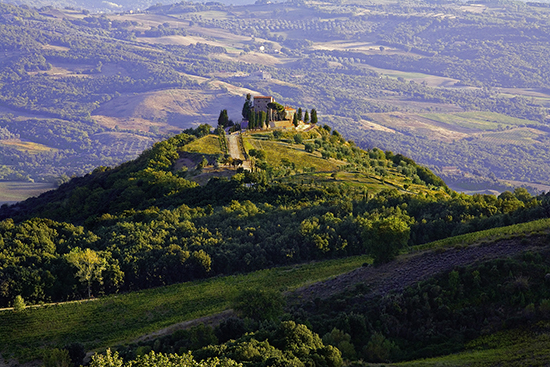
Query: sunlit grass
x=517, y=347
x=27, y=146
x=295, y=153
x=119, y=318
x=209, y=144
x=541, y=226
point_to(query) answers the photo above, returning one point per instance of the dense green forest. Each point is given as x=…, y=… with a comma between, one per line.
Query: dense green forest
x=145, y=219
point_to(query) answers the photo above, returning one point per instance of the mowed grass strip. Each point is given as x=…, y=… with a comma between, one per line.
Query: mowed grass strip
x=540, y=226
x=120, y=318
x=209, y=144
x=478, y=120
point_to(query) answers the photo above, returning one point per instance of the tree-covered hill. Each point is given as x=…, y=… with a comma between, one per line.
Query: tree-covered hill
x=311, y=196
x=149, y=216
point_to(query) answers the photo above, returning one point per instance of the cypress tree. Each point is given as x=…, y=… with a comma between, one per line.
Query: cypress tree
x=306, y=117
x=260, y=117
x=313, y=116
x=252, y=121
x=247, y=107
x=223, y=120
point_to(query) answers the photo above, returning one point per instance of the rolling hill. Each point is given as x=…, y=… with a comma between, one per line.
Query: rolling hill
x=178, y=228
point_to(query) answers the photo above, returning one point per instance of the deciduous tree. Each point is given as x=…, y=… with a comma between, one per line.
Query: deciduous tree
x=89, y=264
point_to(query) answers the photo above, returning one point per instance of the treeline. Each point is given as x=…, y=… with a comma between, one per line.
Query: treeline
x=276, y=344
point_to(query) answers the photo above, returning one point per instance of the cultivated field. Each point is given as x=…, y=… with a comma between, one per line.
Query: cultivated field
x=122, y=318
x=14, y=191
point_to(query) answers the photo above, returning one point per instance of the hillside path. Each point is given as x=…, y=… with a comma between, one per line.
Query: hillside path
x=236, y=150
x=407, y=270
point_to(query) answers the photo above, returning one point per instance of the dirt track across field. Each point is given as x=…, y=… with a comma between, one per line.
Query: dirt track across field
x=236, y=150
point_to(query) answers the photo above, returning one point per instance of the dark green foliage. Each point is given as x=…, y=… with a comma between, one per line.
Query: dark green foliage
x=180, y=342
x=258, y=154
x=314, y=118
x=76, y=353
x=232, y=328
x=386, y=236
x=247, y=107
x=278, y=109
x=438, y=316
x=155, y=228
x=289, y=344
x=223, y=119
x=57, y=358
x=200, y=131
x=259, y=304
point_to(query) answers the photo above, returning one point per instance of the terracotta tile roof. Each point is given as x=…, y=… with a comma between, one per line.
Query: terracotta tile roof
x=264, y=97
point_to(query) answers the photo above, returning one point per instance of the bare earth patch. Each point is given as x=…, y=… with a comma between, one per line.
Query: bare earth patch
x=171, y=110
x=409, y=269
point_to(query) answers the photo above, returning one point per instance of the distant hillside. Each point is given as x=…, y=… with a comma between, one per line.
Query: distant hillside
x=437, y=82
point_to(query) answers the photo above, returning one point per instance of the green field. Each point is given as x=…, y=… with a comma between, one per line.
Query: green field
x=122, y=318
x=486, y=121
x=14, y=191
x=516, y=347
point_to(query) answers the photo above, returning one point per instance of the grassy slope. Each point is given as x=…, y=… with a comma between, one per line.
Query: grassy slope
x=540, y=226
x=312, y=168
x=115, y=319
x=517, y=347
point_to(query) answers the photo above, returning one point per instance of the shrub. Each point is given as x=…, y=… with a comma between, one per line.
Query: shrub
x=260, y=304
x=19, y=304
